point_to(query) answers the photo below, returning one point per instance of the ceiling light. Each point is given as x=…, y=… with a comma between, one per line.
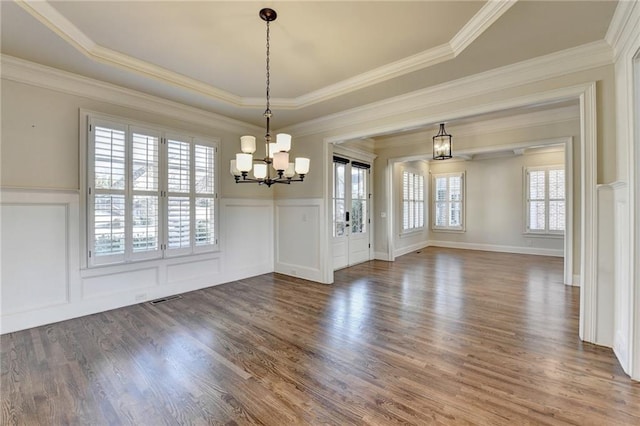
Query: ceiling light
x=276, y=153
x=442, y=144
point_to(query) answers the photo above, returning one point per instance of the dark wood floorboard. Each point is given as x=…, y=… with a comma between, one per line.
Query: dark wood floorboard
x=438, y=337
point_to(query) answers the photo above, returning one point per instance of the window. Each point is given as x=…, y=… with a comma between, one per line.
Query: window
x=448, y=201
x=350, y=197
x=545, y=200
x=412, y=201
x=150, y=194
x=359, y=197
x=339, y=196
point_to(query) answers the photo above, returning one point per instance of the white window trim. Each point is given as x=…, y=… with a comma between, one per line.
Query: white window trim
x=87, y=118
x=546, y=233
x=411, y=231
x=463, y=186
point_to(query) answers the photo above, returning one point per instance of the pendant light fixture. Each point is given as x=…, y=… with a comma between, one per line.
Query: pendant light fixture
x=276, y=153
x=442, y=144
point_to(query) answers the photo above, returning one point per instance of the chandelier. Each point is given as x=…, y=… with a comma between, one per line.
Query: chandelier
x=276, y=153
x=442, y=144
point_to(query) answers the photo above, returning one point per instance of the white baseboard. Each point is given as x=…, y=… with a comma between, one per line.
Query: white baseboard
x=51, y=314
x=381, y=255
x=576, y=281
x=413, y=247
x=498, y=248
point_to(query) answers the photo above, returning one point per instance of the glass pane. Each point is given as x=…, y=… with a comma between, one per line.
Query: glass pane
x=145, y=223
x=109, y=155
x=205, y=220
x=358, y=216
x=441, y=189
x=405, y=185
x=536, y=215
x=358, y=183
x=178, y=222
x=556, y=216
x=455, y=188
x=405, y=215
x=419, y=223
x=178, y=165
x=204, y=159
x=109, y=220
x=441, y=214
x=455, y=214
x=338, y=218
x=556, y=184
x=145, y=162
x=536, y=185
x=339, y=189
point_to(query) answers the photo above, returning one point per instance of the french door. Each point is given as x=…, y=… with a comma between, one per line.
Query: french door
x=351, y=205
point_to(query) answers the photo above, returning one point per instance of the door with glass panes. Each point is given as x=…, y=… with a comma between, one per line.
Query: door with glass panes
x=351, y=204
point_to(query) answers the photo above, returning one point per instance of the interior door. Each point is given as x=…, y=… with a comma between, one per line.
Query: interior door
x=351, y=205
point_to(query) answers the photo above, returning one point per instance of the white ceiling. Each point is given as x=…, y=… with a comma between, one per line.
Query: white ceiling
x=325, y=56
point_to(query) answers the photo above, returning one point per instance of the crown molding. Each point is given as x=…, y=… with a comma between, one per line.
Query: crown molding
x=580, y=58
x=622, y=26
x=487, y=15
x=26, y=72
x=404, y=66
x=55, y=21
x=521, y=121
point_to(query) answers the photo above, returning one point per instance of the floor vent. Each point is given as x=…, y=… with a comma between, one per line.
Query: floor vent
x=165, y=299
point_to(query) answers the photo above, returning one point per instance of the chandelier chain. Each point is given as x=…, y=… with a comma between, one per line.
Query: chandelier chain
x=268, y=110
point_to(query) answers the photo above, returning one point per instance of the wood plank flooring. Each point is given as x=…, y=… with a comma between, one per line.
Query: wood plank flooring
x=438, y=337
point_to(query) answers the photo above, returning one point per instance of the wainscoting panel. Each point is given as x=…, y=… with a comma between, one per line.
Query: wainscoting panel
x=120, y=282
x=298, y=228
x=42, y=281
x=247, y=232
x=35, y=266
x=192, y=269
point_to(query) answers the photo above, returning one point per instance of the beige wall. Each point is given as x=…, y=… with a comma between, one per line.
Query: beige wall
x=40, y=139
x=312, y=144
x=494, y=201
x=524, y=135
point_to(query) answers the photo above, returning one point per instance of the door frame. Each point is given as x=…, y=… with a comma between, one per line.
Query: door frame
x=351, y=154
x=585, y=94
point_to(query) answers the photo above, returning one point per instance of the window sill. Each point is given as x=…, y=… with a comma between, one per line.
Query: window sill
x=412, y=233
x=542, y=235
x=449, y=231
x=136, y=264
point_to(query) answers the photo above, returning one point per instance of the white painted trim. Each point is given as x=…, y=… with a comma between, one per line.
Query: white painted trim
x=390, y=209
x=624, y=36
x=633, y=131
x=301, y=271
x=557, y=64
x=497, y=248
x=569, y=197
x=413, y=247
x=355, y=154
x=33, y=74
x=589, y=215
x=381, y=255
x=483, y=19
x=326, y=223
x=540, y=118
x=586, y=95
x=56, y=22
x=620, y=26
x=576, y=281
x=365, y=157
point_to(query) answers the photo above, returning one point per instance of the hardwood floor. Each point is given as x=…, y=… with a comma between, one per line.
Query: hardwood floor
x=437, y=337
